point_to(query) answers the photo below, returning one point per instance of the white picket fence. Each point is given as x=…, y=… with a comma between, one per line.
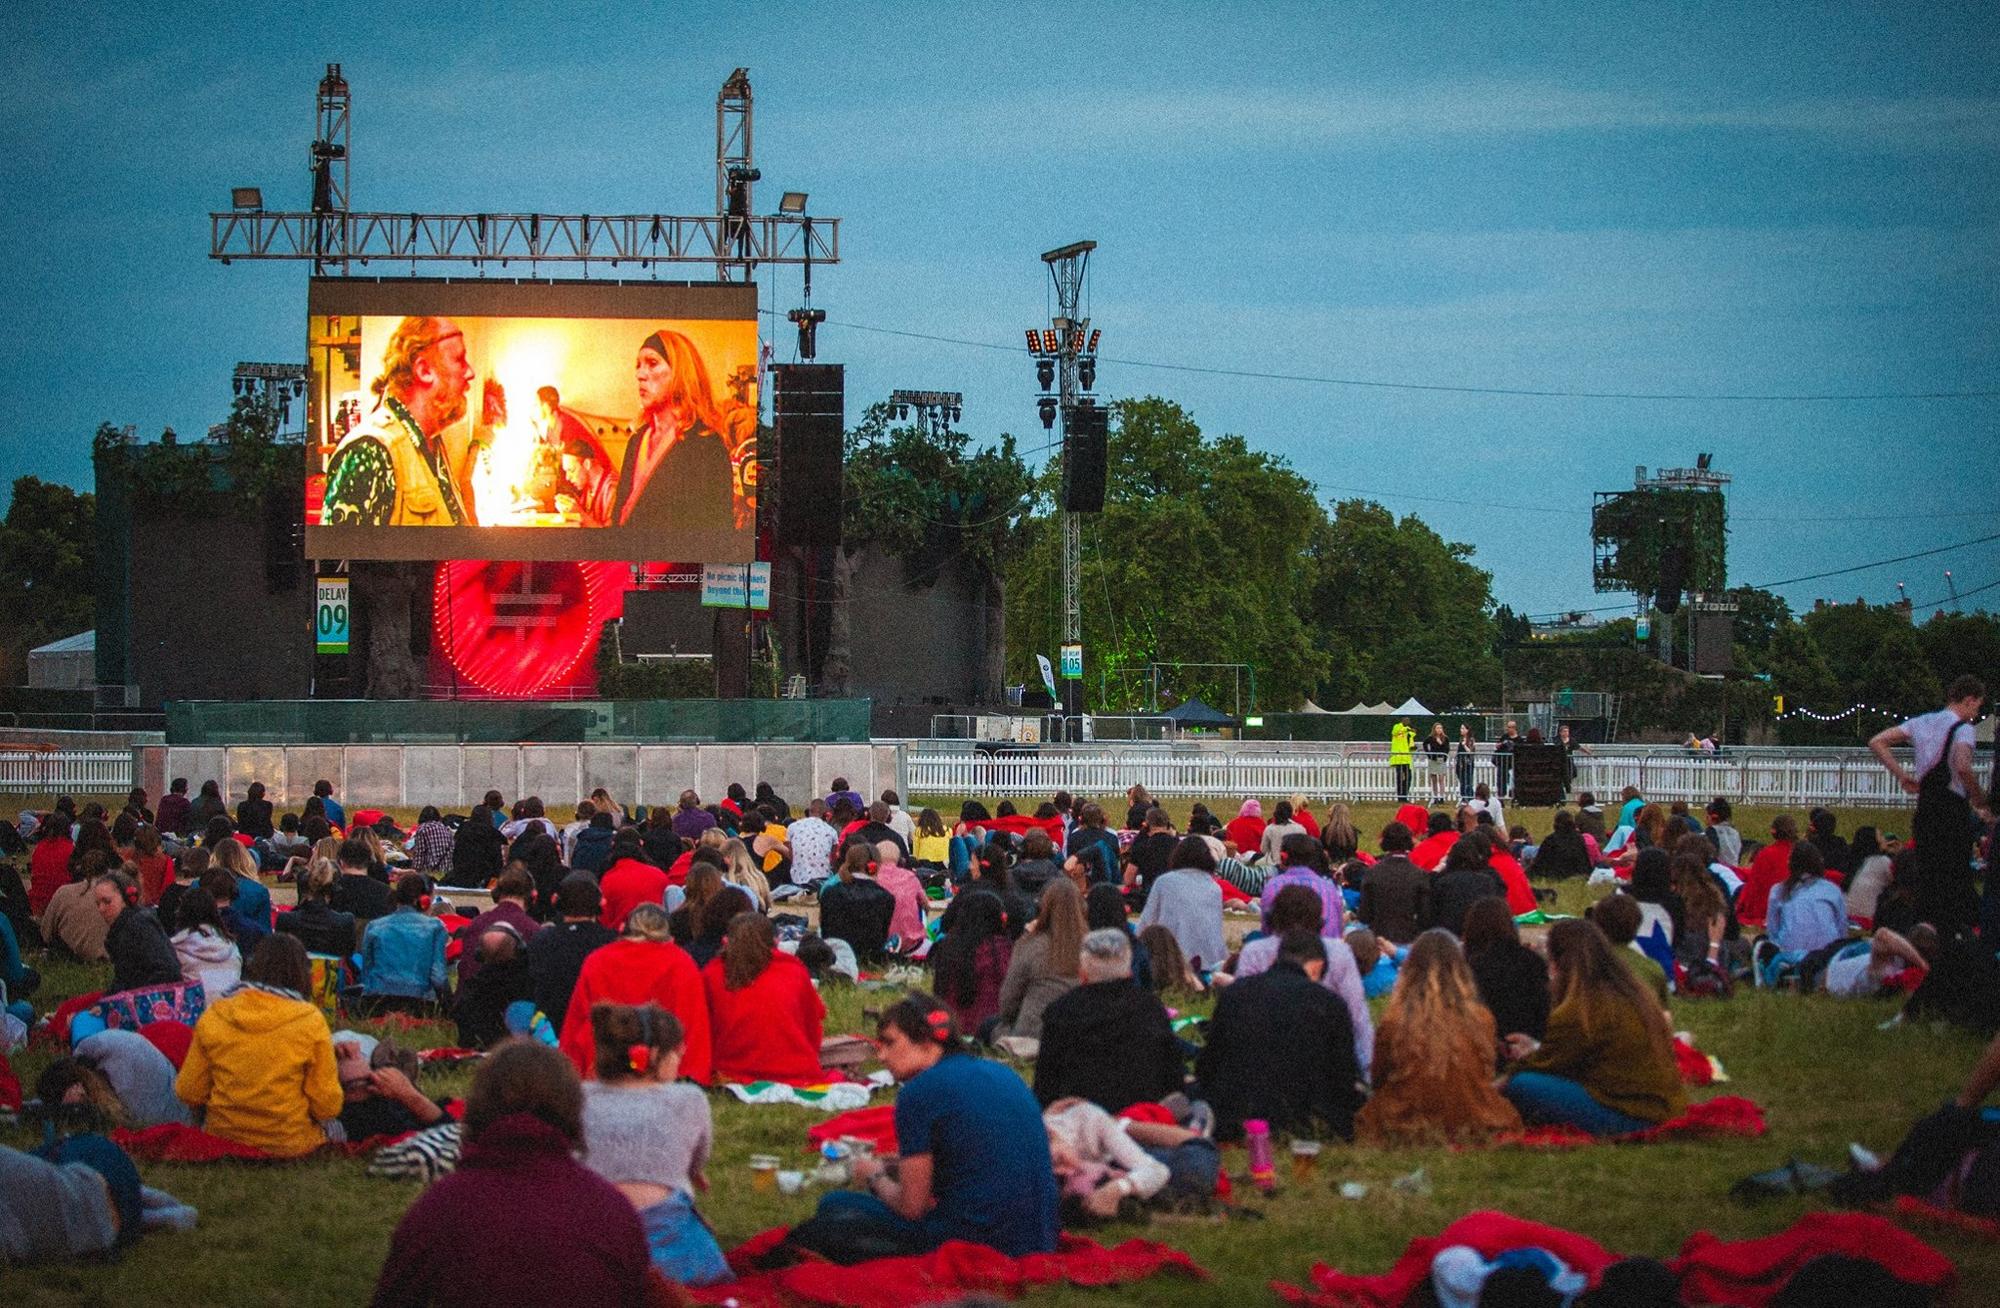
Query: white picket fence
x=65, y=771
x=1794, y=778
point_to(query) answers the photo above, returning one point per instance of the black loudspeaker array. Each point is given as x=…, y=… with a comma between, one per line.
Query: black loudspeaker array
x=809, y=405
x=1086, y=450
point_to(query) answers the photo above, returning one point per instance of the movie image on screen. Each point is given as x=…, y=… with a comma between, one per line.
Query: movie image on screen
x=439, y=433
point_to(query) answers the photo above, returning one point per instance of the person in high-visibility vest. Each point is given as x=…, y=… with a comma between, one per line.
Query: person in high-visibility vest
x=1402, y=739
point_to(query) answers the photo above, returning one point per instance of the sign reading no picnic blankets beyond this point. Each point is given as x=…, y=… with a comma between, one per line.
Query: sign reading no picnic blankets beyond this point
x=722, y=585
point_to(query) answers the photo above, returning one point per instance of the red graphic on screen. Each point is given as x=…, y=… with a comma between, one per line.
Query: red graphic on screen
x=520, y=629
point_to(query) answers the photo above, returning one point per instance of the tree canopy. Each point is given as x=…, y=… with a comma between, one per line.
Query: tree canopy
x=1211, y=552
x=48, y=560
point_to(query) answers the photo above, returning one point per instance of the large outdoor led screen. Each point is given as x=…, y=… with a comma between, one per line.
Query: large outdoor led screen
x=531, y=421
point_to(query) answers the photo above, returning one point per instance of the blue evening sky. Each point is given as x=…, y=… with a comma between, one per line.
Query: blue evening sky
x=1713, y=199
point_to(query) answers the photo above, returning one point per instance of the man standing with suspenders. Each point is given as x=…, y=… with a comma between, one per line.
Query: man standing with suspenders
x=1948, y=796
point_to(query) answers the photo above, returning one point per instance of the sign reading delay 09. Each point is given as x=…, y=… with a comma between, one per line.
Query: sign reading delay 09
x=330, y=616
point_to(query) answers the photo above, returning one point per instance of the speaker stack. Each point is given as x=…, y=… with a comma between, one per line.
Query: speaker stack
x=1086, y=451
x=810, y=410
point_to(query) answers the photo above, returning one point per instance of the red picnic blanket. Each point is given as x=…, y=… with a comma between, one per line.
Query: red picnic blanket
x=1694, y=1065
x=875, y=1125
x=953, y=1270
x=1723, y=1115
x=1742, y=1272
x=170, y=1142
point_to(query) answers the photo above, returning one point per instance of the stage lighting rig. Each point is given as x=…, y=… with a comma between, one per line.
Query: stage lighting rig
x=936, y=410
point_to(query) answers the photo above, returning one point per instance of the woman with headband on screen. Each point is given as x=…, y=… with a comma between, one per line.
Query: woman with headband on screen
x=676, y=472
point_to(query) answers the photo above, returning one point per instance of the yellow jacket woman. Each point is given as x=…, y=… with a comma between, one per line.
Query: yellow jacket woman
x=261, y=1061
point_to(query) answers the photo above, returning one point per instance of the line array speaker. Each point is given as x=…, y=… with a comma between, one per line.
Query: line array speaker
x=809, y=407
x=1086, y=451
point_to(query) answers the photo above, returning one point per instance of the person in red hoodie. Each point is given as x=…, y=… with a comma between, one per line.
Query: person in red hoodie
x=1246, y=829
x=646, y=966
x=1436, y=844
x=546, y=1228
x=1416, y=818
x=1520, y=895
x=1770, y=867
x=765, y=1018
x=628, y=881
x=48, y=866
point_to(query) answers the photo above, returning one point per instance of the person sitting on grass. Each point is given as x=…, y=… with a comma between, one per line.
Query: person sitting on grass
x=1395, y=894
x=1769, y=867
x=512, y=894
x=650, y=1136
x=261, y=1063
x=1171, y=972
x=1606, y=1065
x=358, y=892
x=1045, y=965
x=1465, y=879
x=1108, y=1041
x=1187, y=901
x=1375, y=959
x=1807, y=912
x=557, y=951
x=1303, y=861
x=70, y=921
x=314, y=921
x=969, y=962
x=545, y=1226
x=1512, y=979
x=502, y=980
x=402, y=955
x=973, y=1163
x=1281, y=1048
x=853, y=908
x=203, y=945
x=644, y=966
x=713, y=927
x=1434, y=1055
x=906, y=924
x=1297, y=908
x=1618, y=916
x=249, y=908
x=141, y=953
x=765, y=1017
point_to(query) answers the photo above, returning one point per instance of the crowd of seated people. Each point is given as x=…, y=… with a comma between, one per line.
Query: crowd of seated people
x=663, y=952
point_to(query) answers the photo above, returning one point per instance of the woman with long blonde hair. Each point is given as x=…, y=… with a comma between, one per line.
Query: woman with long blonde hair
x=1434, y=1049
x=743, y=872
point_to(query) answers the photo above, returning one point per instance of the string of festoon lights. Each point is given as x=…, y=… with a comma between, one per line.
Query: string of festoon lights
x=1841, y=716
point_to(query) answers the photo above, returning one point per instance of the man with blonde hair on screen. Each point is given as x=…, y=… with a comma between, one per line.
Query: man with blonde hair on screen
x=394, y=470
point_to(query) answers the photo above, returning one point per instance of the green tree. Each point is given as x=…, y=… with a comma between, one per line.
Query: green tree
x=1876, y=657
x=1401, y=611
x=1801, y=673
x=1959, y=643
x=48, y=557
x=1759, y=614
x=1197, y=558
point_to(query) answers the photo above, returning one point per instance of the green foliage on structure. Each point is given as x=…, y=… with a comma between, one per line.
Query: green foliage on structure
x=1634, y=529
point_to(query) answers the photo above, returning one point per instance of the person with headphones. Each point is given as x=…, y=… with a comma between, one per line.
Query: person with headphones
x=141, y=953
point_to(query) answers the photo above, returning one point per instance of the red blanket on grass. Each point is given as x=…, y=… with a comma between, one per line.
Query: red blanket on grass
x=1694, y=1065
x=1020, y=825
x=953, y=1270
x=170, y=1142
x=875, y=1125
x=1723, y=1115
x=10, y=1086
x=1742, y=1272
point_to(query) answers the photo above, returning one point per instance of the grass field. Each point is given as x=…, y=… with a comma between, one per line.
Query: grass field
x=314, y=1232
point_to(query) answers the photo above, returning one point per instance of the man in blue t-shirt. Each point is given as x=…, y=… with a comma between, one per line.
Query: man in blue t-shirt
x=974, y=1155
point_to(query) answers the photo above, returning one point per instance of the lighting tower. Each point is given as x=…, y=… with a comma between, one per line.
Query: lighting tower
x=329, y=163
x=734, y=174
x=1065, y=355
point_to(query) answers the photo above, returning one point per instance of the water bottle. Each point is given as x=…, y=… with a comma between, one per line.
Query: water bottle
x=1257, y=1137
